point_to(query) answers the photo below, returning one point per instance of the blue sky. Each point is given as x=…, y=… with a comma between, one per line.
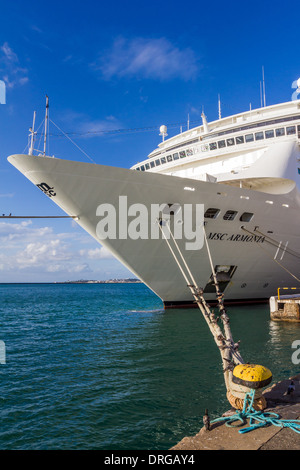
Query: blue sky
x=121, y=65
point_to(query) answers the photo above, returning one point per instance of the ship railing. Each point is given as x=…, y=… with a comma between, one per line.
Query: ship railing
x=285, y=288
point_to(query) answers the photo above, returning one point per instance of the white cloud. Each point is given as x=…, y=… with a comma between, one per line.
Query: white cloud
x=62, y=268
x=10, y=55
x=89, y=127
x=147, y=58
x=42, y=254
x=11, y=71
x=39, y=251
x=21, y=233
x=97, y=253
x=36, y=28
x=79, y=268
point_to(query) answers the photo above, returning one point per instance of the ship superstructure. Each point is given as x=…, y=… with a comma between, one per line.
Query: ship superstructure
x=225, y=150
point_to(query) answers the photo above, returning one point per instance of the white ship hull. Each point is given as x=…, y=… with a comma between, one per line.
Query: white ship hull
x=263, y=255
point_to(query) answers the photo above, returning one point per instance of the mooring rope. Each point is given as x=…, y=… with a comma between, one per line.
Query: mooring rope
x=271, y=256
x=228, y=349
x=275, y=243
x=257, y=419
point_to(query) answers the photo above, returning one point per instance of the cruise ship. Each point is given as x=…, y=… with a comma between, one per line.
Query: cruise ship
x=244, y=170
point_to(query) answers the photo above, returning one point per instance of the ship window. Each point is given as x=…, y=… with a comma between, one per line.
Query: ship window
x=240, y=139
x=204, y=148
x=291, y=130
x=147, y=166
x=246, y=217
x=230, y=142
x=279, y=132
x=269, y=134
x=189, y=152
x=221, y=144
x=259, y=135
x=211, y=213
x=157, y=162
x=298, y=127
x=175, y=156
x=258, y=124
x=213, y=146
x=152, y=164
x=182, y=154
x=249, y=138
x=169, y=158
x=138, y=168
x=163, y=160
x=142, y=168
x=229, y=215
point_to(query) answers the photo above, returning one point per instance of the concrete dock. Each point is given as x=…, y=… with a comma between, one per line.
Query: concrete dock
x=222, y=437
x=285, y=307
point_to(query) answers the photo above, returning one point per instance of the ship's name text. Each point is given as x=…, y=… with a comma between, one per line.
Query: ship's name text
x=236, y=238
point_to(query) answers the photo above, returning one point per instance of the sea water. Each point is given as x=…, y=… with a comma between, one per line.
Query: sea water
x=103, y=366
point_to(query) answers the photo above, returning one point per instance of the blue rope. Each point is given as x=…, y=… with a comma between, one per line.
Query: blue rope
x=257, y=419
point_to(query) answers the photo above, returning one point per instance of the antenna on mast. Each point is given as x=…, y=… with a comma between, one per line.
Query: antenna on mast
x=46, y=124
x=188, y=122
x=264, y=88
x=261, y=105
x=32, y=133
x=219, y=107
